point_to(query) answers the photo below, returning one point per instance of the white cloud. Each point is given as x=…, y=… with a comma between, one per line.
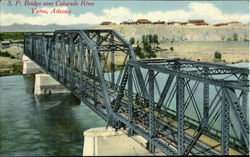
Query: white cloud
x=196, y=10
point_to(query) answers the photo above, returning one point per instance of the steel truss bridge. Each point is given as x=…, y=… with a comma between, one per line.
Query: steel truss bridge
x=179, y=106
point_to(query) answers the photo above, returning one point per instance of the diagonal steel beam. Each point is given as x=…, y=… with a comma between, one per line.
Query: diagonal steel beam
x=165, y=91
x=238, y=112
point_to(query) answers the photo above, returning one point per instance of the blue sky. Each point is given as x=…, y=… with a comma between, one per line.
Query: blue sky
x=118, y=11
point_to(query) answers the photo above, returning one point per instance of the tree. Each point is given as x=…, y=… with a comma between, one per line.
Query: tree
x=235, y=37
x=144, y=39
x=138, y=52
x=217, y=55
x=150, y=38
x=132, y=40
x=155, y=39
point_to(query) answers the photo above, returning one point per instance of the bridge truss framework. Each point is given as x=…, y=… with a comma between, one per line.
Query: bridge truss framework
x=173, y=103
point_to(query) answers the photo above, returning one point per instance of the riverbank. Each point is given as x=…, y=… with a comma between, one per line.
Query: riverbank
x=11, y=61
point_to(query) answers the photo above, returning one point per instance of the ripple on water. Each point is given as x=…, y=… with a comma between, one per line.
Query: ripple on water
x=41, y=125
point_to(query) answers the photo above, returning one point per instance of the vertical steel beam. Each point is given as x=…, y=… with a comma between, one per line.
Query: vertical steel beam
x=45, y=52
x=32, y=47
x=57, y=56
x=71, y=53
x=206, y=101
x=225, y=121
x=206, y=105
x=245, y=108
x=112, y=63
x=151, y=109
x=180, y=113
x=89, y=62
x=244, y=99
x=94, y=77
x=37, y=50
x=40, y=50
x=51, y=55
x=130, y=99
x=64, y=58
x=81, y=66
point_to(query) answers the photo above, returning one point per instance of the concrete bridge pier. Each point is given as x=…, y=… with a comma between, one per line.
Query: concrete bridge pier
x=44, y=83
x=108, y=142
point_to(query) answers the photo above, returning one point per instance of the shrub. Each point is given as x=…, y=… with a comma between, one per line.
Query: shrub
x=171, y=48
x=217, y=55
x=155, y=39
x=139, y=52
x=144, y=39
x=235, y=37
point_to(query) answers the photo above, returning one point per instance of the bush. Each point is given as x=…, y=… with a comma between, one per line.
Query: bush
x=144, y=39
x=217, y=55
x=138, y=52
x=235, y=37
x=155, y=39
x=171, y=48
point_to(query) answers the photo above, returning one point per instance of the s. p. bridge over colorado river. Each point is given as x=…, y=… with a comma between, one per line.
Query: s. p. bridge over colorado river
x=178, y=106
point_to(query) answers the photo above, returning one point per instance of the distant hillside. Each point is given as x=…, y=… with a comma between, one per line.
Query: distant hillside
x=181, y=33
x=35, y=28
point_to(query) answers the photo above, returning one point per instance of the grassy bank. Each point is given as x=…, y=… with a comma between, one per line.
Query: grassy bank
x=11, y=61
x=14, y=69
x=17, y=37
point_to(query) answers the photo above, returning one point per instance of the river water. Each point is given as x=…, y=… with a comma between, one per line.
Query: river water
x=46, y=124
x=41, y=125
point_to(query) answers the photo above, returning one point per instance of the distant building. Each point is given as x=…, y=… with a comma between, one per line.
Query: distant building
x=5, y=44
x=234, y=23
x=159, y=23
x=220, y=24
x=173, y=23
x=183, y=23
x=106, y=23
x=143, y=21
x=197, y=22
x=128, y=23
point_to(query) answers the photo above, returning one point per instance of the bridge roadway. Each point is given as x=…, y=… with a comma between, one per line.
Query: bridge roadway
x=163, y=129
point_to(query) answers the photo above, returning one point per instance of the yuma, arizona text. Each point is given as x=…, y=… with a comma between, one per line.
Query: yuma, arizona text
x=53, y=11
